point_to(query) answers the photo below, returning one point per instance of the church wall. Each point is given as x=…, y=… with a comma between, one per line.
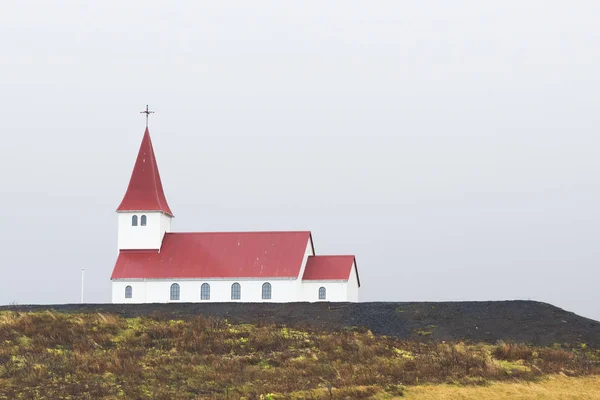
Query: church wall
x=352, y=289
x=138, y=290
x=158, y=291
x=299, y=290
x=142, y=237
x=335, y=290
x=165, y=225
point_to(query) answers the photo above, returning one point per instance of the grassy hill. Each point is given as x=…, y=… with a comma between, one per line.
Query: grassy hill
x=162, y=355
x=529, y=322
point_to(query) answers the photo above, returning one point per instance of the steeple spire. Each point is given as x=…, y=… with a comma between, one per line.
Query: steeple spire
x=145, y=191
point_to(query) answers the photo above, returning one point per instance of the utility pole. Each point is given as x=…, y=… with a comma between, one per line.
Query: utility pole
x=82, y=271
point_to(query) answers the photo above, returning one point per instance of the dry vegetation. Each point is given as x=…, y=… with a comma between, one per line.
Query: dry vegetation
x=555, y=387
x=95, y=356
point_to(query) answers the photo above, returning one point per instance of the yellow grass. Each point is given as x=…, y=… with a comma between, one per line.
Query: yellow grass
x=552, y=388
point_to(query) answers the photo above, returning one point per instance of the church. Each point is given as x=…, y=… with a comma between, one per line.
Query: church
x=156, y=265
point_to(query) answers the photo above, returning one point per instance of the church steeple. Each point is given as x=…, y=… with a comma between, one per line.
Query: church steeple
x=145, y=190
x=144, y=215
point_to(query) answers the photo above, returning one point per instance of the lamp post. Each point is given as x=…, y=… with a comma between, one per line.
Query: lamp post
x=82, y=271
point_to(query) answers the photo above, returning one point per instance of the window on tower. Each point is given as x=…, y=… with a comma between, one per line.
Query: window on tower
x=266, y=291
x=236, y=291
x=205, y=291
x=143, y=220
x=134, y=220
x=128, y=292
x=174, y=291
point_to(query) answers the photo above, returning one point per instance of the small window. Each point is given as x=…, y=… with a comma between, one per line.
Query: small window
x=134, y=220
x=174, y=291
x=128, y=292
x=322, y=293
x=205, y=291
x=236, y=291
x=266, y=291
x=143, y=220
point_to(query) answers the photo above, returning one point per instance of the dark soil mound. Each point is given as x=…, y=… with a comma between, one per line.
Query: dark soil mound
x=516, y=321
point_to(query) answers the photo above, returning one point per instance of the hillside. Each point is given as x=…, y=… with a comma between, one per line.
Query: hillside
x=518, y=321
x=47, y=354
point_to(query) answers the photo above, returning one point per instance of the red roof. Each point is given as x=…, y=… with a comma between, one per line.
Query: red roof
x=217, y=255
x=145, y=191
x=322, y=268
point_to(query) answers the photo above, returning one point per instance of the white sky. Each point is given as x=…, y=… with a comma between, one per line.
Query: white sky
x=452, y=146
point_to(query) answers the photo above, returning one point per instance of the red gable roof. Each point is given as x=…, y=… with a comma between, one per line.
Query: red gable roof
x=145, y=191
x=217, y=255
x=322, y=268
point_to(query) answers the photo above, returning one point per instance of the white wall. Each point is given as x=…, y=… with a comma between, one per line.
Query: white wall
x=158, y=291
x=142, y=237
x=299, y=290
x=335, y=290
x=352, y=293
x=282, y=290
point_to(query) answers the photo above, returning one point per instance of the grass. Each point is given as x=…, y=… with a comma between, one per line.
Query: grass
x=105, y=356
x=557, y=387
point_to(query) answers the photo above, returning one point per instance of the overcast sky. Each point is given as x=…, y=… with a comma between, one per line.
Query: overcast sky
x=451, y=146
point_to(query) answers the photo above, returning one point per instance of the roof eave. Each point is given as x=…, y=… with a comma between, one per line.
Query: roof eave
x=145, y=211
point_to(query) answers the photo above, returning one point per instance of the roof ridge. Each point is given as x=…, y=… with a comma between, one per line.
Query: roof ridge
x=155, y=169
x=229, y=232
x=334, y=256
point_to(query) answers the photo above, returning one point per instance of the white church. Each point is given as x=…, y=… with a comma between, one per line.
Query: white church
x=156, y=265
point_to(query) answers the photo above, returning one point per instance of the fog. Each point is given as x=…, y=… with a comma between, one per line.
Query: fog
x=451, y=146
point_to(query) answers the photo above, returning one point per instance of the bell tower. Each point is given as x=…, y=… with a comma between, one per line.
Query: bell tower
x=144, y=215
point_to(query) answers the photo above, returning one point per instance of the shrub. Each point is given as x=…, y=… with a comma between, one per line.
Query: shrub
x=513, y=352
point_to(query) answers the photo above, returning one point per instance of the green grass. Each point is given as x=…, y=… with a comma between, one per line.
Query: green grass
x=104, y=356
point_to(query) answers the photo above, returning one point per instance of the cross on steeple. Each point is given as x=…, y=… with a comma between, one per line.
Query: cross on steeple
x=147, y=112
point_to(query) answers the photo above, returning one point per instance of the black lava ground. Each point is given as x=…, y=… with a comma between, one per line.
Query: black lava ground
x=514, y=321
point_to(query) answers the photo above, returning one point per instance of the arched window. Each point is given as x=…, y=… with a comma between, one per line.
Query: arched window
x=236, y=291
x=134, y=220
x=143, y=220
x=322, y=293
x=266, y=291
x=205, y=291
x=128, y=292
x=174, y=291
